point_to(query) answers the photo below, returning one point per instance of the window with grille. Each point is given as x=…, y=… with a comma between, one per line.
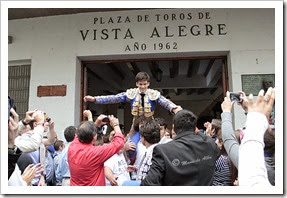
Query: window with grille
x=18, y=87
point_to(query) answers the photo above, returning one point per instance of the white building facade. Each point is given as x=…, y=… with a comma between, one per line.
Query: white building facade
x=56, y=46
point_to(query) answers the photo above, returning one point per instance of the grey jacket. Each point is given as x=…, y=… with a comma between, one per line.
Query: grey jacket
x=230, y=142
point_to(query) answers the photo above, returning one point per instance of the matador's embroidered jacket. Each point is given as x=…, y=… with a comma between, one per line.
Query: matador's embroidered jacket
x=151, y=98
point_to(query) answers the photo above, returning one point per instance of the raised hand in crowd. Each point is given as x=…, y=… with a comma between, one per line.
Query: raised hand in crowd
x=206, y=124
x=208, y=127
x=39, y=117
x=89, y=99
x=32, y=171
x=263, y=103
x=12, y=128
x=32, y=141
x=99, y=121
x=226, y=105
x=177, y=109
x=28, y=117
x=229, y=139
x=51, y=125
x=114, y=122
x=24, y=123
x=52, y=136
x=244, y=101
x=13, y=153
x=88, y=115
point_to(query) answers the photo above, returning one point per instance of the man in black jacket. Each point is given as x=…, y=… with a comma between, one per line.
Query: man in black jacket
x=188, y=160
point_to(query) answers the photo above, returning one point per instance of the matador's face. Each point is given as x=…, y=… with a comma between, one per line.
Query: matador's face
x=142, y=85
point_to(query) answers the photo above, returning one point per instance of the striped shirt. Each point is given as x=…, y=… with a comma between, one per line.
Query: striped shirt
x=222, y=174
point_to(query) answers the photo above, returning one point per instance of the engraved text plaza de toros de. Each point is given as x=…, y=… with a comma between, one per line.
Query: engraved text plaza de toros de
x=176, y=30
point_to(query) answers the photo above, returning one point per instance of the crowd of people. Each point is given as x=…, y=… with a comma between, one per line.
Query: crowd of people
x=99, y=153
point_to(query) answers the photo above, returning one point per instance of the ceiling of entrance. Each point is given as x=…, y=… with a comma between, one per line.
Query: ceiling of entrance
x=21, y=13
x=178, y=79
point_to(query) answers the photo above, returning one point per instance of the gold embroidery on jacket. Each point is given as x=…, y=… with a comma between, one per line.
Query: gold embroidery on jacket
x=153, y=94
x=138, y=110
x=147, y=107
x=136, y=105
x=131, y=93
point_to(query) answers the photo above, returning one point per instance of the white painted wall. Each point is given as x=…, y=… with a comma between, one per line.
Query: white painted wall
x=54, y=47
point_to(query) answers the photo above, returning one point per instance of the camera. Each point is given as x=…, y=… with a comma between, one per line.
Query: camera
x=106, y=120
x=235, y=97
x=47, y=118
x=103, y=129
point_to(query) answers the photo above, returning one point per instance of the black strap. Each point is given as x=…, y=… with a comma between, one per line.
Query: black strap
x=142, y=94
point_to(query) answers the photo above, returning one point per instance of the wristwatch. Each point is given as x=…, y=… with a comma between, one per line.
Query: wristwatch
x=12, y=150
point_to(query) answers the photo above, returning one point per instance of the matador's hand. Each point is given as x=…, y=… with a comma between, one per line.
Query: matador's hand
x=177, y=109
x=89, y=99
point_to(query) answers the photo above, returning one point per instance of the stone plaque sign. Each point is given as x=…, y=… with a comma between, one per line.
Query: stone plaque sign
x=55, y=90
x=253, y=83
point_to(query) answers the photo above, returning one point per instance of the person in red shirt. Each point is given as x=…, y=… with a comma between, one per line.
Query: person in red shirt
x=86, y=161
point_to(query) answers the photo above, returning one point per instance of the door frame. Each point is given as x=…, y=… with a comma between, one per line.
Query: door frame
x=225, y=79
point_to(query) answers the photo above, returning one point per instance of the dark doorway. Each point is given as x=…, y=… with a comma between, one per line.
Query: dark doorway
x=196, y=83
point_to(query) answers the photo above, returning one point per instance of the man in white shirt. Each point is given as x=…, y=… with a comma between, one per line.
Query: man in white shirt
x=252, y=170
x=150, y=136
x=116, y=170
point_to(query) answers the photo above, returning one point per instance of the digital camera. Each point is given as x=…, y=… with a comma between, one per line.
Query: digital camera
x=47, y=118
x=106, y=120
x=235, y=97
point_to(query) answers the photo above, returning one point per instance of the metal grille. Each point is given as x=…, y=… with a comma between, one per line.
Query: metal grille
x=18, y=87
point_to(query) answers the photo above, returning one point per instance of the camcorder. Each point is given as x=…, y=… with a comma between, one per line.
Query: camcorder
x=235, y=97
